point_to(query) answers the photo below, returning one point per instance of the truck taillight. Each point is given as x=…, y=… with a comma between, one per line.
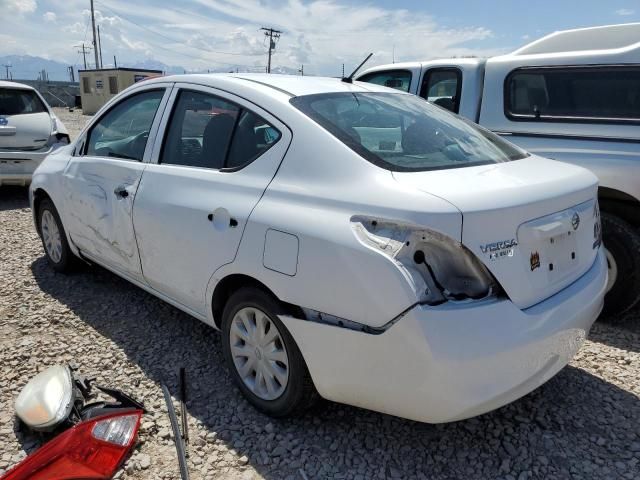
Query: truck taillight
x=93, y=449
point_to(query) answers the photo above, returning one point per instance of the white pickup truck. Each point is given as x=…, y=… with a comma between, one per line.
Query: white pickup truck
x=572, y=96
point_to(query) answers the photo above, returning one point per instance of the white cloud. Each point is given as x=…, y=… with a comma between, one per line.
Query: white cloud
x=50, y=17
x=20, y=6
x=625, y=12
x=321, y=34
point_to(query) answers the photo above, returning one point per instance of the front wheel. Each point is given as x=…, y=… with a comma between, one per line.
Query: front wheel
x=622, y=244
x=54, y=239
x=263, y=358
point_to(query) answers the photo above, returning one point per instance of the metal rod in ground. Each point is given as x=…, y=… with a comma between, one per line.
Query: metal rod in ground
x=183, y=406
x=182, y=459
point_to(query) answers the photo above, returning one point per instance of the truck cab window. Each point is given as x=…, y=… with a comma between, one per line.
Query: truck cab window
x=398, y=79
x=441, y=86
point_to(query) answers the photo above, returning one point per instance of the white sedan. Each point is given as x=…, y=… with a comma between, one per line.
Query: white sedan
x=29, y=131
x=348, y=240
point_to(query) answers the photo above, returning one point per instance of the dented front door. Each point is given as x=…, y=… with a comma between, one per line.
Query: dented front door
x=102, y=181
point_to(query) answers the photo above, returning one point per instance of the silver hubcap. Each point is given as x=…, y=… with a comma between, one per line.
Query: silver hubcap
x=51, y=236
x=258, y=353
x=613, y=270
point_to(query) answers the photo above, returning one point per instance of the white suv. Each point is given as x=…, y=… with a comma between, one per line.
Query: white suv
x=347, y=239
x=29, y=131
x=573, y=96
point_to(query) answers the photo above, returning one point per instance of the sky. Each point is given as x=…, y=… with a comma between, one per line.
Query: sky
x=217, y=35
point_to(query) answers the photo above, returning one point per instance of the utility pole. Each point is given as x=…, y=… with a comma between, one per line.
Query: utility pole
x=301, y=70
x=342, y=70
x=115, y=62
x=273, y=35
x=93, y=26
x=71, y=74
x=6, y=69
x=84, y=53
x=100, y=46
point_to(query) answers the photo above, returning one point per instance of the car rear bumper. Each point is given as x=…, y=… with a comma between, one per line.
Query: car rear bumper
x=16, y=168
x=447, y=363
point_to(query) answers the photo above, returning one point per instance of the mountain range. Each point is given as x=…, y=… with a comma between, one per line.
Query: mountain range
x=27, y=67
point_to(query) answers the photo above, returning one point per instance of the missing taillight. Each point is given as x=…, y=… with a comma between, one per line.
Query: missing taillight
x=441, y=268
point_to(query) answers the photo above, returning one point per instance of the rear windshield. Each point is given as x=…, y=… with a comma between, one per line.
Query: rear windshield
x=19, y=102
x=402, y=132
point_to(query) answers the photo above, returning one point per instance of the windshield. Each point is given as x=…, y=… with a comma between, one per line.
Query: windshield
x=402, y=132
x=19, y=102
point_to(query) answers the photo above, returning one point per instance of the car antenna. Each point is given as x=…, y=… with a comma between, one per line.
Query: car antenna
x=349, y=79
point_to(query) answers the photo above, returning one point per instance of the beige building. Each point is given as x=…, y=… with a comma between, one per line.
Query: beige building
x=97, y=87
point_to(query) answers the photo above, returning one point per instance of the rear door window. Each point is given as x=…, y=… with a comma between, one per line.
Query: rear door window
x=398, y=79
x=15, y=101
x=124, y=130
x=574, y=94
x=210, y=132
x=442, y=86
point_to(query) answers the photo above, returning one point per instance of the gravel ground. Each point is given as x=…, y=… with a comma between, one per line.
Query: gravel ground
x=584, y=423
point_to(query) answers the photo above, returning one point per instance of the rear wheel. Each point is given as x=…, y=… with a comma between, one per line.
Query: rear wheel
x=54, y=239
x=622, y=244
x=263, y=358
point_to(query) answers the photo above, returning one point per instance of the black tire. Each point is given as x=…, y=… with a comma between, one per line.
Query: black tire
x=623, y=242
x=299, y=393
x=68, y=262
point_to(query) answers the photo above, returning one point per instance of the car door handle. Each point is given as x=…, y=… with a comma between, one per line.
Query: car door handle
x=121, y=192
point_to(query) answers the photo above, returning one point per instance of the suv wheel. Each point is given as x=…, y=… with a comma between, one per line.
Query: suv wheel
x=263, y=358
x=54, y=239
x=622, y=244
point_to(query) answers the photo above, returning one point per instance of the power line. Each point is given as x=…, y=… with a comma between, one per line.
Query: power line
x=93, y=26
x=83, y=51
x=7, y=67
x=271, y=34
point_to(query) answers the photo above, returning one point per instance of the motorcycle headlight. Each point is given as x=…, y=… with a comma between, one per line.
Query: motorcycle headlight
x=46, y=401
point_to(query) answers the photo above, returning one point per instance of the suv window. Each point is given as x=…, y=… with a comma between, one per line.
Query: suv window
x=441, y=86
x=207, y=131
x=14, y=101
x=574, y=94
x=124, y=130
x=398, y=79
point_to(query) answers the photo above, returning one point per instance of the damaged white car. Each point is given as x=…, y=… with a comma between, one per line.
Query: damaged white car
x=348, y=240
x=29, y=131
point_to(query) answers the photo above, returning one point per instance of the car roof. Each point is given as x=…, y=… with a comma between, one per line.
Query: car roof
x=16, y=85
x=286, y=85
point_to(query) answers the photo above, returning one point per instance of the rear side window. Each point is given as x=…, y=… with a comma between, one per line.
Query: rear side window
x=442, y=86
x=124, y=130
x=20, y=102
x=398, y=79
x=209, y=132
x=574, y=94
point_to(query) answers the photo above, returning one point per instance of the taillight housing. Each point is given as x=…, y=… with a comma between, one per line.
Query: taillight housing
x=93, y=449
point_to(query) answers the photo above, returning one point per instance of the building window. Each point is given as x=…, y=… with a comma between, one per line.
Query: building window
x=85, y=85
x=574, y=94
x=113, y=85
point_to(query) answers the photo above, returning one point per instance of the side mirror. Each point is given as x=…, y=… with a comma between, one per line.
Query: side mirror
x=46, y=401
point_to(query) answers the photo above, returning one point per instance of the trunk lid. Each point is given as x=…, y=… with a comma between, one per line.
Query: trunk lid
x=25, y=123
x=531, y=221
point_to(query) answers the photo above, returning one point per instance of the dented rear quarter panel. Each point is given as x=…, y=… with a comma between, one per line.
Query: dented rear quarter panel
x=314, y=196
